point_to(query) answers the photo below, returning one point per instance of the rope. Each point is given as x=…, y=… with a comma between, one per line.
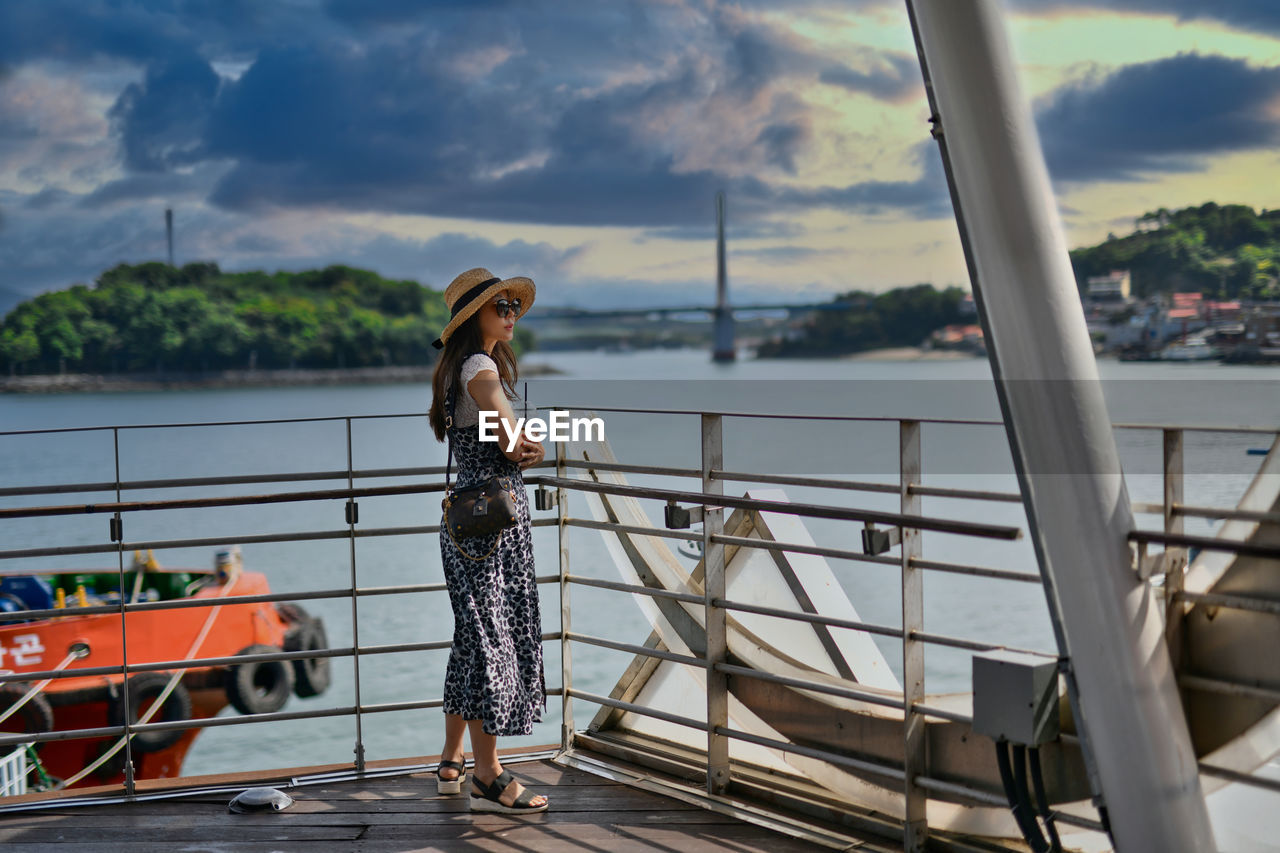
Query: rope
x=31, y=694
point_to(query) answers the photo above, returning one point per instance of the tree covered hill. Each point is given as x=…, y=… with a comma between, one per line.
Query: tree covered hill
x=1224, y=251
x=156, y=317
x=901, y=317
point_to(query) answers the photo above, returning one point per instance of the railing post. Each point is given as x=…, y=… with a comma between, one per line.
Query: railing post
x=1173, y=523
x=117, y=533
x=566, y=653
x=713, y=589
x=915, y=826
x=355, y=608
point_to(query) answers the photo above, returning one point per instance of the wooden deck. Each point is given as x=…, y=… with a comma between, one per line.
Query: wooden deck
x=401, y=813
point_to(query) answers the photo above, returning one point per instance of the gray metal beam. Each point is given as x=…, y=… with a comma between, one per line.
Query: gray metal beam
x=1046, y=377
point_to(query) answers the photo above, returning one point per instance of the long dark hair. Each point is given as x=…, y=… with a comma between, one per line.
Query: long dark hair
x=465, y=340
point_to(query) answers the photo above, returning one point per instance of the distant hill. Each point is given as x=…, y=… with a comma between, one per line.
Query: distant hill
x=1224, y=251
x=154, y=317
x=901, y=317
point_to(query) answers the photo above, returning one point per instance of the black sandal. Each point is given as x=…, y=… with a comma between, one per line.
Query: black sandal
x=487, y=800
x=450, y=786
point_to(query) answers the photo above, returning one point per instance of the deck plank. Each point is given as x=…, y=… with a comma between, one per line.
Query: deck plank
x=401, y=813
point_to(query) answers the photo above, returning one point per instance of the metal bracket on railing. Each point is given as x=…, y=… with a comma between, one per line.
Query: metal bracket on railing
x=1166, y=562
x=544, y=498
x=353, y=512
x=117, y=528
x=878, y=541
x=680, y=517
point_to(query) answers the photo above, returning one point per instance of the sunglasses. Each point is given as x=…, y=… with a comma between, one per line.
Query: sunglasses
x=504, y=307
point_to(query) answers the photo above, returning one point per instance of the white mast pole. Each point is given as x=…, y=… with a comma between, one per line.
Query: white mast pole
x=1059, y=431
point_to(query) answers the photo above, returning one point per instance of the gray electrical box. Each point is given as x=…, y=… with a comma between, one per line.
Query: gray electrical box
x=1015, y=697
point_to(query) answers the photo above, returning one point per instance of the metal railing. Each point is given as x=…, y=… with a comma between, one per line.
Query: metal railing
x=908, y=521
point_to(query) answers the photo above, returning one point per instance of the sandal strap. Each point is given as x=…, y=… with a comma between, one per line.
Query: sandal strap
x=456, y=765
x=500, y=784
x=525, y=800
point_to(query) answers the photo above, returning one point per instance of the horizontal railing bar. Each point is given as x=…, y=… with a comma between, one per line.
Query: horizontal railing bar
x=739, y=414
x=211, y=503
x=637, y=709
x=792, y=547
x=811, y=752
x=1201, y=428
x=816, y=686
x=1143, y=506
x=1229, y=688
x=987, y=798
x=634, y=529
x=976, y=571
x=234, y=660
x=213, y=722
x=1232, y=602
x=689, y=597
x=793, y=480
x=633, y=468
x=219, y=601
x=183, y=425
x=968, y=494
x=1233, y=514
x=231, y=660
x=942, y=713
x=974, y=645
x=238, y=480
x=1205, y=543
x=217, y=541
x=814, y=618
x=773, y=415
x=175, y=604
x=984, y=797
x=1242, y=778
x=916, y=522
x=645, y=651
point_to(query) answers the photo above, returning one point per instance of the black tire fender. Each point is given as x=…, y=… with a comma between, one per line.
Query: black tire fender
x=145, y=688
x=259, y=687
x=312, y=675
x=36, y=716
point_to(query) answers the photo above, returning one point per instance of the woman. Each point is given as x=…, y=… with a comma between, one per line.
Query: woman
x=494, y=682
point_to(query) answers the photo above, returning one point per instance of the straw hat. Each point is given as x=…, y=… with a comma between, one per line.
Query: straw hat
x=472, y=289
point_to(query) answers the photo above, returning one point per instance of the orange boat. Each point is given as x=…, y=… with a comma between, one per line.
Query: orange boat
x=76, y=641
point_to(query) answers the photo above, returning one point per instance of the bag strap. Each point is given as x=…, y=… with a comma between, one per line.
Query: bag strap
x=450, y=404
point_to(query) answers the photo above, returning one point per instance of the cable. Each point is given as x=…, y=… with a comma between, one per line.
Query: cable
x=1024, y=797
x=1042, y=799
x=1026, y=821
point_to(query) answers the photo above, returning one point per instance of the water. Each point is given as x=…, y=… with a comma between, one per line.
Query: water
x=971, y=456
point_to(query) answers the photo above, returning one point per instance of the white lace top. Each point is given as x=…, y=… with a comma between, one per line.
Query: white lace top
x=467, y=413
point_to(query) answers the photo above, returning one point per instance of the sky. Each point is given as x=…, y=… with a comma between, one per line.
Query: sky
x=582, y=143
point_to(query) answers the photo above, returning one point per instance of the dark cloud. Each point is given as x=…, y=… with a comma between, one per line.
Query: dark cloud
x=447, y=109
x=437, y=260
x=1244, y=14
x=162, y=120
x=46, y=198
x=895, y=76
x=1162, y=116
x=84, y=31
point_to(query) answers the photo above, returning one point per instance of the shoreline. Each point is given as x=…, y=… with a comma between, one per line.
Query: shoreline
x=89, y=382
x=910, y=354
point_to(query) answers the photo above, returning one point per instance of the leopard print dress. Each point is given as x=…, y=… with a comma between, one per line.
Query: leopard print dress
x=495, y=670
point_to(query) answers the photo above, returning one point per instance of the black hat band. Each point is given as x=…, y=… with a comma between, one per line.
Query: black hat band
x=463, y=301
